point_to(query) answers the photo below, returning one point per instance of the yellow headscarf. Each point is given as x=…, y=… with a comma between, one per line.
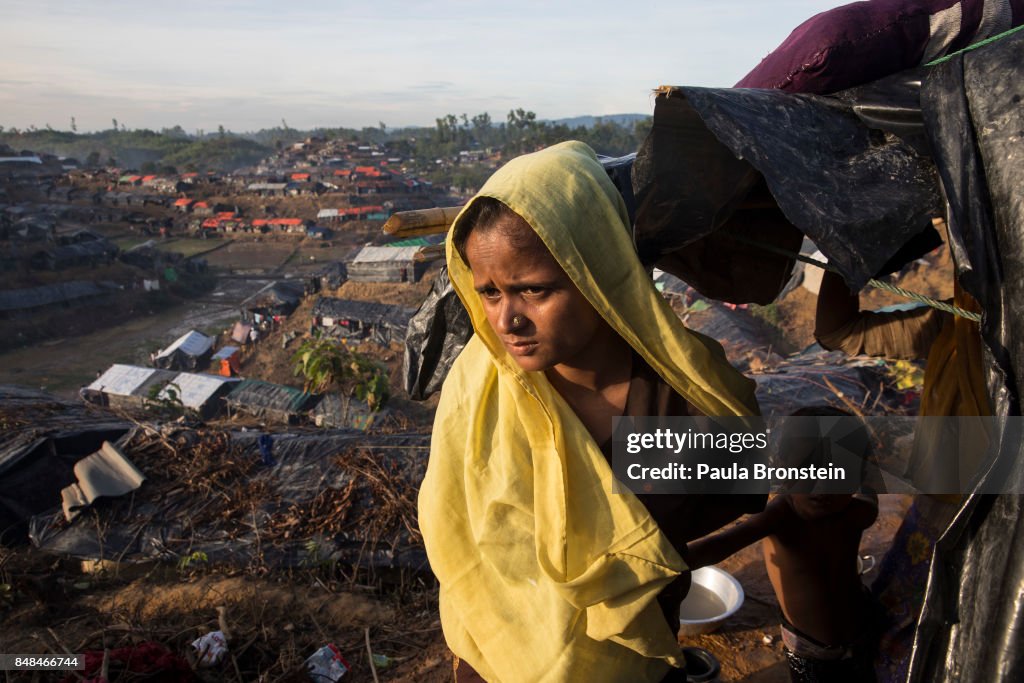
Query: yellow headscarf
x=545, y=574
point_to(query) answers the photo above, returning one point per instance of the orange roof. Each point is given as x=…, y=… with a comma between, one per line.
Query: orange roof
x=286, y=221
x=201, y=205
x=189, y=175
x=211, y=223
x=182, y=202
x=343, y=172
x=300, y=176
x=226, y=215
x=147, y=178
x=361, y=210
x=259, y=221
x=365, y=169
x=133, y=178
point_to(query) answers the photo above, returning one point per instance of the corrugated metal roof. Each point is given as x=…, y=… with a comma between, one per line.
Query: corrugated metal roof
x=327, y=213
x=195, y=389
x=193, y=343
x=125, y=380
x=225, y=352
x=383, y=254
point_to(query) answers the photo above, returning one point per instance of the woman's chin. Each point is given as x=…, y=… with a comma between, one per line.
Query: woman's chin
x=531, y=363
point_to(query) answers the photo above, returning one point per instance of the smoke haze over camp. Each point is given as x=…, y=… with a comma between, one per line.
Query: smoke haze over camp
x=248, y=65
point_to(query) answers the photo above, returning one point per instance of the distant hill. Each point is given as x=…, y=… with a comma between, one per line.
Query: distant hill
x=626, y=120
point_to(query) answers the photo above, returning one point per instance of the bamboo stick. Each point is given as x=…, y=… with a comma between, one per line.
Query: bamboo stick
x=434, y=251
x=421, y=221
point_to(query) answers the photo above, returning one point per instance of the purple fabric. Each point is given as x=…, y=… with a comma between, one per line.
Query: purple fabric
x=864, y=41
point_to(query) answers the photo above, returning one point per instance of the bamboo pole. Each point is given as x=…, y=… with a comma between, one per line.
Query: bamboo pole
x=434, y=251
x=421, y=221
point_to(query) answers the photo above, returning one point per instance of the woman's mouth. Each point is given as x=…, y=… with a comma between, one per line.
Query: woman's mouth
x=521, y=348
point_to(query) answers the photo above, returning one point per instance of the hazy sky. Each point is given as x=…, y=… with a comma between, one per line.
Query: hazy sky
x=246, y=64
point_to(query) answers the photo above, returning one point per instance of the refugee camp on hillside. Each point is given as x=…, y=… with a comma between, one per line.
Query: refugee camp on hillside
x=726, y=393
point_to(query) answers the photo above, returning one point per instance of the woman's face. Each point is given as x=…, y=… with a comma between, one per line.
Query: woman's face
x=530, y=302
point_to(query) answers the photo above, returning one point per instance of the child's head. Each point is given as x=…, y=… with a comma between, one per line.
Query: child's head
x=825, y=437
x=819, y=505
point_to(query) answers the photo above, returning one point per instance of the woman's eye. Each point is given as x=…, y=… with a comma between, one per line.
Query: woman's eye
x=534, y=292
x=490, y=293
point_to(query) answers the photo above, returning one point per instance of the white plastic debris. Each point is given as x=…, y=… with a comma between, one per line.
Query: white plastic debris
x=326, y=664
x=210, y=648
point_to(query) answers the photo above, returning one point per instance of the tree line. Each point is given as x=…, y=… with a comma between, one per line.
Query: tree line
x=175, y=149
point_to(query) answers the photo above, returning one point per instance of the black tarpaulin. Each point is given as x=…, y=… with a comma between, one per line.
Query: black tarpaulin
x=43, y=437
x=724, y=166
x=436, y=335
x=972, y=622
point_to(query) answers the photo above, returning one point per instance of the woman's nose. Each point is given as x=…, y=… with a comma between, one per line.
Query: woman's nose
x=510, y=319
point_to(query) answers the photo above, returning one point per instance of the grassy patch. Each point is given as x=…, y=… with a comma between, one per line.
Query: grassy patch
x=188, y=247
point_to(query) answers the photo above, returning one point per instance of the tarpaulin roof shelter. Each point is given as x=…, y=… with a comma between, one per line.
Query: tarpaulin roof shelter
x=269, y=401
x=190, y=351
x=369, y=314
x=336, y=410
x=277, y=298
x=62, y=293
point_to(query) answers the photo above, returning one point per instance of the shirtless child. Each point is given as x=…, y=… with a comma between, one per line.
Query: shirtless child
x=810, y=550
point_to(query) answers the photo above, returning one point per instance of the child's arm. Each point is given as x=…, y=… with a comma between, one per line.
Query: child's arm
x=716, y=547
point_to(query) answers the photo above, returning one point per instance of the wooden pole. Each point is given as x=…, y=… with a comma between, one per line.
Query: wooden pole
x=421, y=221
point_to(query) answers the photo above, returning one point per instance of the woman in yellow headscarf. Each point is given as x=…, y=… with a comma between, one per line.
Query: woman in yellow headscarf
x=545, y=574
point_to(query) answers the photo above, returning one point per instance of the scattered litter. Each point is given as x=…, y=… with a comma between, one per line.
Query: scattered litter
x=107, y=472
x=211, y=648
x=382, y=661
x=266, y=445
x=327, y=664
x=768, y=640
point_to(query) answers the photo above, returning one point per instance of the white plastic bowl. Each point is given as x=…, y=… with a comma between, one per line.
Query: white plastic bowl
x=714, y=596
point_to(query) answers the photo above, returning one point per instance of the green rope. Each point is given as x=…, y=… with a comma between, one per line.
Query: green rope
x=975, y=46
x=914, y=296
x=927, y=300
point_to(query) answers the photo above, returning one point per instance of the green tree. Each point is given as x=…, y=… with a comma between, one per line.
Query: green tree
x=324, y=363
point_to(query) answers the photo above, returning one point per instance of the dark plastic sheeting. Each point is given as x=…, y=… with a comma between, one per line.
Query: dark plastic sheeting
x=157, y=523
x=972, y=624
x=834, y=169
x=437, y=334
